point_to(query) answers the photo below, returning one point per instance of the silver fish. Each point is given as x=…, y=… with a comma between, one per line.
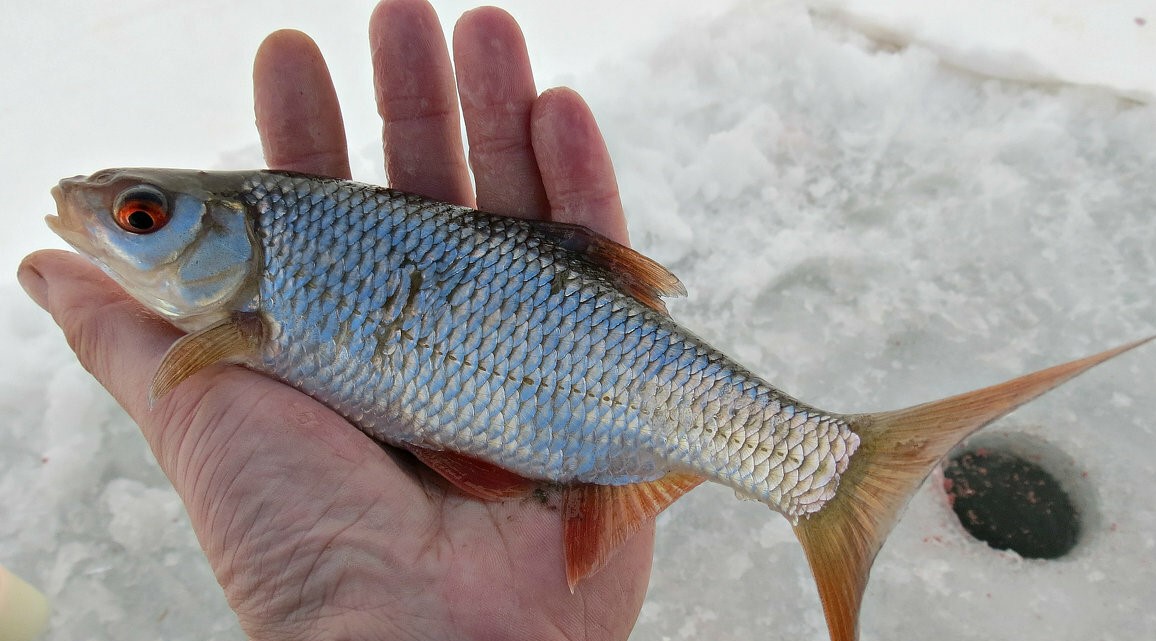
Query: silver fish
x=504, y=352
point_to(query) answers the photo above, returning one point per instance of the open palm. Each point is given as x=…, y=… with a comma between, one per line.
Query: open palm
x=312, y=529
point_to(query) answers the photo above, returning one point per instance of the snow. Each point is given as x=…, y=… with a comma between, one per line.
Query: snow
x=1107, y=45
x=872, y=203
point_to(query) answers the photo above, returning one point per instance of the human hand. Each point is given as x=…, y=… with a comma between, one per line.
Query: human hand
x=312, y=529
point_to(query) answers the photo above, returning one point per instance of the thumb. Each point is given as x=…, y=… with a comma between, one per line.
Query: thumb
x=114, y=337
x=222, y=425
x=266, y=473
x=120, y=343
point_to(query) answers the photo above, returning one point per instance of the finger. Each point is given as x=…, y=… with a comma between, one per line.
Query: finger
x=575, y=165
x=94, y=312
x=298, y=117
x=418, y=102
x=497, y=92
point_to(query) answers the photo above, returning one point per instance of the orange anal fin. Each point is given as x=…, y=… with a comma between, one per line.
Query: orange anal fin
x=897, y=451
x=232, y=340
x=633, y=273
x=597, y=519
x=474, y=477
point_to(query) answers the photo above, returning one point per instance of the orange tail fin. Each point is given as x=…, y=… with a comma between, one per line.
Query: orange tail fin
x=897, y=451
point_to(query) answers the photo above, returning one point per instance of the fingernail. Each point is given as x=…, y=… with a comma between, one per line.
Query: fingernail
x=33, y=283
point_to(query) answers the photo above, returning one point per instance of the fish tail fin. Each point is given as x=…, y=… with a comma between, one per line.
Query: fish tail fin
x=897, y=451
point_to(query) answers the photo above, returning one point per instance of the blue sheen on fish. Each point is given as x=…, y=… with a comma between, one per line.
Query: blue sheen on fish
x=442, y=327
x=504, y=351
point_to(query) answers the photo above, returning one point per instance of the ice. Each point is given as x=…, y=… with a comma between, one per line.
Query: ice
x=868, y=223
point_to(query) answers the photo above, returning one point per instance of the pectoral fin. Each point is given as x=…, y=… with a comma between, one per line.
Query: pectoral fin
x=476, y=478
x=597, y=519
x=233, y=340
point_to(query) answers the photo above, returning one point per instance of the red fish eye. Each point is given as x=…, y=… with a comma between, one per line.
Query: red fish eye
x=141, y=215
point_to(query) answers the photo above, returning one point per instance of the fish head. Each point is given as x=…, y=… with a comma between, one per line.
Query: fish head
x=181, y=242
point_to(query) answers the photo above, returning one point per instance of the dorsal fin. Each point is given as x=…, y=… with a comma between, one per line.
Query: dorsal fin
x=232, y=340
x=597, y=519
x=474, y=477
x=635, y=274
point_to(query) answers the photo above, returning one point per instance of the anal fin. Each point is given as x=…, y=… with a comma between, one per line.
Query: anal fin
x=597, y=519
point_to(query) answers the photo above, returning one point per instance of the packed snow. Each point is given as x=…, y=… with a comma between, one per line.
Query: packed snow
x=872, y=204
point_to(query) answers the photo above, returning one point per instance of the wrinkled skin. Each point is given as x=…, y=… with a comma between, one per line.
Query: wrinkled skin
x=314, y=531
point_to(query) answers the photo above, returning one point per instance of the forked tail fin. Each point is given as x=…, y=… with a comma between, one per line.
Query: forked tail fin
x=897, y=451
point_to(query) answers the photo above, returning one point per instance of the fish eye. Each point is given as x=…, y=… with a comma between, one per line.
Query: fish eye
x=141, y=210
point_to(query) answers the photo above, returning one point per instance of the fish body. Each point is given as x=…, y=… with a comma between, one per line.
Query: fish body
x=438, y=326
x=480, y=334
x=482, y=342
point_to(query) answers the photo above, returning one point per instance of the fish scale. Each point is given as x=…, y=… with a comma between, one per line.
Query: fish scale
x=452, y=319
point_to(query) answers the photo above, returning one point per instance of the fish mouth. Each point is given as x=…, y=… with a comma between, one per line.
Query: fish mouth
x=56, y=223
x=67, y=223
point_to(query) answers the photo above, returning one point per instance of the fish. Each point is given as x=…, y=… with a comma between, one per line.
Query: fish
x=507, y=353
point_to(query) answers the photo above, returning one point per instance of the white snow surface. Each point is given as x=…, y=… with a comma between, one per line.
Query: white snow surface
x=1107, y=43
x=869, y=223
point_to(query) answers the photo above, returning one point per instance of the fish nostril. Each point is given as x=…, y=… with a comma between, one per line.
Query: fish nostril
x=1006, y=494
x=102, y=177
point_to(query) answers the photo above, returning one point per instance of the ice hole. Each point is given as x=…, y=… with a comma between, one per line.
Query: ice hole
x=1006, y=494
